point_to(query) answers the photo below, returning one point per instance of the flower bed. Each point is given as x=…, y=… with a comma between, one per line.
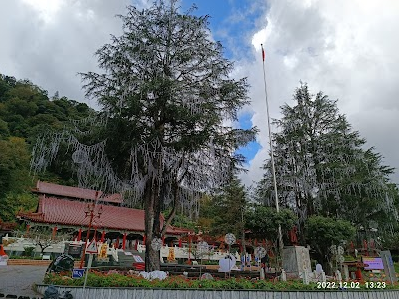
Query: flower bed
x=98, y=279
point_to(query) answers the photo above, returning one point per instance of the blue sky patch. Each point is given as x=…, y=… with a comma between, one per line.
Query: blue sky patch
x=253, y=147
x=230, y=23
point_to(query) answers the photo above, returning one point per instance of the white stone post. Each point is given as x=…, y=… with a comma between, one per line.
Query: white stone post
x=262, y=273
x=346, y=272
x=323, y=276
x=283, y=276
x=338, y=276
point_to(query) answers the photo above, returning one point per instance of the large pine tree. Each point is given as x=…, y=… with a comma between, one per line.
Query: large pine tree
x=165, y=95
x=322, y=167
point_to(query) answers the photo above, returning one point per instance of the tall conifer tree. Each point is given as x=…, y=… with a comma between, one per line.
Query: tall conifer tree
x=166, y=100
x=322, y=167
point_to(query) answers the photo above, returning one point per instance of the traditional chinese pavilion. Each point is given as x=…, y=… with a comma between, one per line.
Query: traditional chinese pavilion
x=63, y=208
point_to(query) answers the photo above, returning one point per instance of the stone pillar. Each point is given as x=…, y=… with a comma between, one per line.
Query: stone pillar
x=296, y=260
x=338, y=276
x=323, y=276
x=262, y=273
x=346, y=272
x=283, y=276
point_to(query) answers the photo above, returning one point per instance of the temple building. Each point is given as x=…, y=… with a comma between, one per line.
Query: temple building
x=67, y=209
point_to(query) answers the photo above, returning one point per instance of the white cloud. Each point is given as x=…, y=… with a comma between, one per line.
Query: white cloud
x=50, y=41
x=47, y=9
x=347, y=49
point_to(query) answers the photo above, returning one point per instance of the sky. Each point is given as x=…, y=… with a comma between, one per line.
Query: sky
x=346, y=48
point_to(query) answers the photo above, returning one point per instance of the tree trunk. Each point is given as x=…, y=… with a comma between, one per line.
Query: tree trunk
x=152, y=226
x=244, y=249
x=172, y=213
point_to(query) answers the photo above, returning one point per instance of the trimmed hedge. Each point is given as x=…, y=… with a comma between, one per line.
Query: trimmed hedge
x=98, y=279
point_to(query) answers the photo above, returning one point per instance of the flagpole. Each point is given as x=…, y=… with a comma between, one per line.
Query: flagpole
x=280, y=235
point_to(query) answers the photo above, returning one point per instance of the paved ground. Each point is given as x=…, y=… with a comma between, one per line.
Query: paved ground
x=18, y=280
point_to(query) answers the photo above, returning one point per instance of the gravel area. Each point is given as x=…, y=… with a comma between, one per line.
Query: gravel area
x=18, y=280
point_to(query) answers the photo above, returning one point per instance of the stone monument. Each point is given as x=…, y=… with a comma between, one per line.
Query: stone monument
x=296, y=260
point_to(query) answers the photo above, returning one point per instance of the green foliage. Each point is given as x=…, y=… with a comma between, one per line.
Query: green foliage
x=25, y=109
x=25, y=113
x=223, y=213
x=17, y=201
x=97, y=279
x=4, y=131
x=264, y=221
x=14, y=162
x=322, y=232
x=21, y=257
x=183, y=221
x=165, y=93
x=103, y=280
x=29, y=251
x=323, y=169
x=391, y=241
x=14, y=177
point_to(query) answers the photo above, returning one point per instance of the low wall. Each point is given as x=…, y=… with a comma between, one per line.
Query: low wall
x=26, y=262
x=128, y=293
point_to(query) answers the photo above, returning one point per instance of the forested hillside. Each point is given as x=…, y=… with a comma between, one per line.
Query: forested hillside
x=26, y=111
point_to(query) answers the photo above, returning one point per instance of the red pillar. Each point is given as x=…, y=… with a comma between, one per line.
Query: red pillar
x=117, y=243
x=103, y=236
x=180, y=243
x=352, y=246
x=27, y=230
x=54, y=232
x=80, y=234
x=144, y=238
x=189, y=249
x=124, y=241
x=358, y=274
x=365, y=248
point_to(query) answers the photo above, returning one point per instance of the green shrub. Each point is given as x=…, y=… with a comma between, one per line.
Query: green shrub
x=29, y=251
x=98, y=279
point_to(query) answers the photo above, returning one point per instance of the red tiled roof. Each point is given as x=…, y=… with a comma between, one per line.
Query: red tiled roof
x=71, y=212
x=74, y=192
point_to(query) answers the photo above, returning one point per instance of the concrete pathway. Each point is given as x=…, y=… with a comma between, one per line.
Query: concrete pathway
x=18, y=280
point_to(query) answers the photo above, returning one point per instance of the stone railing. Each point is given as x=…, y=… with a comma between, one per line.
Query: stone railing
x=127, y=293
x=183, y=253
